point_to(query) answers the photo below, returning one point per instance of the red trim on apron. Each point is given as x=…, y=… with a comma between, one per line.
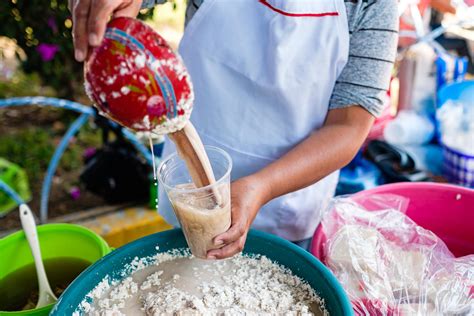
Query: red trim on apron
x=317, y=15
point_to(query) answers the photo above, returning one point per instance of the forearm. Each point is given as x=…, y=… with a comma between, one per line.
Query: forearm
x=323, y=152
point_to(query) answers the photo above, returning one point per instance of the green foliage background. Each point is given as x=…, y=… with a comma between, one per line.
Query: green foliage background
x=32, y=22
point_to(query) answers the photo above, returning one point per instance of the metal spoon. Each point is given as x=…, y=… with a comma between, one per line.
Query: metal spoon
x=46, y=295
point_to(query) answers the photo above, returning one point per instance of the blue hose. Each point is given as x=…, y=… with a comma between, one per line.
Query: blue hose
x=73, y=129
x=86, y=112
x=11, y=193
x=73, y=106
x=58, y=103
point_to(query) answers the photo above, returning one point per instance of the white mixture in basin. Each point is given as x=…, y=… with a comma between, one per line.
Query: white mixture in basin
x=179, y=284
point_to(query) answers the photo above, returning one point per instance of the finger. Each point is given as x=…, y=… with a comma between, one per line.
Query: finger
x=235, y=232
x=129, y=9
x=228, y=251
x=79, y=30
x=99, y=14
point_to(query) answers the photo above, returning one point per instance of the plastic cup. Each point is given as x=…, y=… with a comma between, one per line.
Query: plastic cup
x=197, y=210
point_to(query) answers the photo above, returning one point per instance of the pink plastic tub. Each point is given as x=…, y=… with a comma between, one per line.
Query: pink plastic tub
x=446, y=210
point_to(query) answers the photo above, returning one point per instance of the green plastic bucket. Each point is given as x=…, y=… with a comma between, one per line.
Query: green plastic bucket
x=56, y=241
x=299, y=261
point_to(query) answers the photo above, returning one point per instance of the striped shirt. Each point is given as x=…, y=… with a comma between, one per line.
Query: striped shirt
x=373, y=28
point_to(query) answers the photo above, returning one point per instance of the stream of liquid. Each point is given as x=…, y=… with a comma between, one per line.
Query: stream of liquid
x=155, y=178
x=152, y=156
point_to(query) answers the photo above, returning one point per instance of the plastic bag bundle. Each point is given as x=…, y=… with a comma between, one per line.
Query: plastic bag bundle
x=389, y=265
x=456, y=126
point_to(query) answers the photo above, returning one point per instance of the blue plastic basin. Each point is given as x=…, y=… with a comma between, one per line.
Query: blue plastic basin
x=300, y=262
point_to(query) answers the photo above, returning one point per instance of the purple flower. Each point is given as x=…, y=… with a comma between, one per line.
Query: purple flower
x=47, y=51
x=89, y=152
x=52, y=24
x=75, y=193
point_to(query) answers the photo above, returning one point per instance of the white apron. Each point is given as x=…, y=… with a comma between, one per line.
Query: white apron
x=263, y=73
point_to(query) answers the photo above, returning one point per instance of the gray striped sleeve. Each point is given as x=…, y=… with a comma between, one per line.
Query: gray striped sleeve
x=373, y=26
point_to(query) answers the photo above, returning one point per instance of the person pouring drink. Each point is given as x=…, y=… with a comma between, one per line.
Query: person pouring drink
x=290, y=89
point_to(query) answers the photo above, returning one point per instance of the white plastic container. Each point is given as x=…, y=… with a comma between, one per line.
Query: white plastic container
x=409, y=128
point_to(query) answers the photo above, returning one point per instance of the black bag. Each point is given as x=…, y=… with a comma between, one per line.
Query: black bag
x=395, y=164
x=116, y=172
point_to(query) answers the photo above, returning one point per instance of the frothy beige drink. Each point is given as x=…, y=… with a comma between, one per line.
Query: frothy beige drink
x=200, y=217
x=203, y=211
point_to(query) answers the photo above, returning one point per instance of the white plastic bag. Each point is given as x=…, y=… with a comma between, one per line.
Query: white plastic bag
x=389, y=265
